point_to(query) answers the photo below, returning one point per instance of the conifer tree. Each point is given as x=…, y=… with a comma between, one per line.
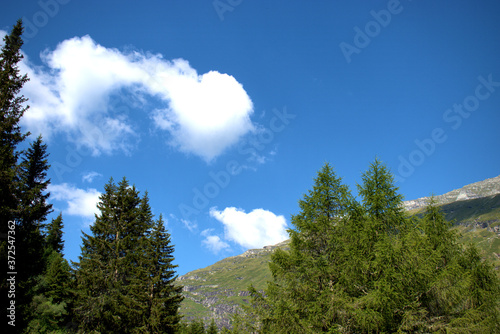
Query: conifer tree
x=300, y=295
x=381, y=200
x=106, y=264
x=51, y=308
x=52, y=304
x=32, y=213
x=163, y=295
x=125, y=276
x=212, y=328
x=53, y=240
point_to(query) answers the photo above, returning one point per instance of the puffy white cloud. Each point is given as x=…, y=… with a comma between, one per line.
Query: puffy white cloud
x=255, y=229
x=71, y=94
x=204, y=114
x=79, y=202
x=214, y=243
x=207, y=113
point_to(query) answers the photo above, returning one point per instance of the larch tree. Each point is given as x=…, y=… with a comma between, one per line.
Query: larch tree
x=368, y=267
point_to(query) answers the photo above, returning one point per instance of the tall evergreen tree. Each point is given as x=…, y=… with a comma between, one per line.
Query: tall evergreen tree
x=300, y=296
x=125, y=276
x=106, y=264
x=32, y=213
x=164, y=296
x=381, y=200
x=53, y=239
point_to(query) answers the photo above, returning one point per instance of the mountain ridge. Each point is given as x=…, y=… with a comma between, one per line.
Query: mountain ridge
x=474, y=190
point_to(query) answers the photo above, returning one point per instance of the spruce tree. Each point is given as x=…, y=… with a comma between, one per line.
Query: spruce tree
x=106, y=264
x=53, y=239
x=32, y=213
x=125, y=275
x=164, y=295
x=53, y=298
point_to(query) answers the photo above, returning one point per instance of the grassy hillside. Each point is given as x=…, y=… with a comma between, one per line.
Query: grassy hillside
x=217, y=290
x=478, y=222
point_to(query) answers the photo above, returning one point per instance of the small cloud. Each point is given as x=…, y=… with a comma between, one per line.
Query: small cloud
x=206, y=232
x=255, y=229
x=90, y=176
x=214, y=244
x=79, y=202
x=191, y=226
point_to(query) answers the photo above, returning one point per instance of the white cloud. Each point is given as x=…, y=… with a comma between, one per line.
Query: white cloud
x=71, y=94
x=214, y=243
x=207, y=113
x=204, y=114
x=255, y=229
x=90, y=176
x=191, y=226
x=79, y=202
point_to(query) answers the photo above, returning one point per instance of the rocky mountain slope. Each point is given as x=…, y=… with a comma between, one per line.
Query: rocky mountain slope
x=217, y=290
x=479, y=189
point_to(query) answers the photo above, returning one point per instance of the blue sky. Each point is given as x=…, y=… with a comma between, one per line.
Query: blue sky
x=225, y=110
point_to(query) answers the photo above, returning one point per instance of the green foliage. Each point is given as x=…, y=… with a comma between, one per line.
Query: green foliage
x=361, y=267
x=54, y=241
x=194, y=327
x=31, y=215
x=125, y=273
x=212, y=328
x=51, y=307
x=32, y=210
